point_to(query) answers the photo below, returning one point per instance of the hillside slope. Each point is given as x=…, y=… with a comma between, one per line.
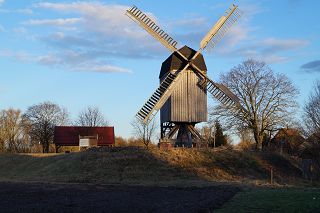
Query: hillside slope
x=130, y=165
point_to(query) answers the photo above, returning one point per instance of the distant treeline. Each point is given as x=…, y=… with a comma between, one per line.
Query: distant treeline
x=33, y=130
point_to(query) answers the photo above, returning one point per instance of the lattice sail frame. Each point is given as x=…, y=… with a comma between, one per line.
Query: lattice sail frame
x=151, y=27
x=217, y=32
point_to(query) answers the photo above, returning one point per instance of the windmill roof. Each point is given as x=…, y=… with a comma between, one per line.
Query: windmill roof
x=176, y=62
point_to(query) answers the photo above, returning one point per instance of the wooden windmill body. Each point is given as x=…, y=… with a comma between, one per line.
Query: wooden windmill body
x=187, y=104
x=182, y=94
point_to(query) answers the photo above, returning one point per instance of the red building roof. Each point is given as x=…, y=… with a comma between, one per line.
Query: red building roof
x=69, y=135
x=289, y=139
x=288, y=135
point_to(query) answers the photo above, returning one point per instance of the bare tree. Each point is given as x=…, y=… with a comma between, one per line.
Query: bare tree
x=246, y=139
x=312, y=111
x=311, y=148
x=2, y=131
x=144, y=132
x=270, y=99
x=11, y=131
x=208, y=134
x=91, y=116
x=42, y=118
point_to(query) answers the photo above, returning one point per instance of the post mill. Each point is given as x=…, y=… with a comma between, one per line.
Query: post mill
x=182, y=94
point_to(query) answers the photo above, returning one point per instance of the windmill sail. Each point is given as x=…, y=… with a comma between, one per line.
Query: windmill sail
x=151, y=27
x=222, y=26
x=158, y=98
x=223, y=94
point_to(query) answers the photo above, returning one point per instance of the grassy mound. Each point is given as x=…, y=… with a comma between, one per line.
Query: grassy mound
x=131, y=165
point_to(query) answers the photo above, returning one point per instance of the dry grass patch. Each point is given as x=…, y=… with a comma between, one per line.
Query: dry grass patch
x=134, y=165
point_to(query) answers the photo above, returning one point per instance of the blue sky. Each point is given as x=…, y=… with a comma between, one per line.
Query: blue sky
x=80, y=53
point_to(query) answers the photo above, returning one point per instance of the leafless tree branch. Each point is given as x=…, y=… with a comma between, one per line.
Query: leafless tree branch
x=91, y=116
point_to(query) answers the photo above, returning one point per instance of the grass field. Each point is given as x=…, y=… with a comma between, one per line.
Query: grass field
x=140, y=166
x=274, y=200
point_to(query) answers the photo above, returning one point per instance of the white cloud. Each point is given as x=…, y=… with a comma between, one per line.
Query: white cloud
x=50, y=60
x=53, y=22
x=17, y=55
x=273, y=59
x=187, y=22
x=103, y=68
x=108, y=24
x=25, y=11
x=273, y=44
x=270, y=50
x=1, y=2
x=74, y=63
x=100, y=33
x=236, y=35
x=268, y=58
x=100, y=18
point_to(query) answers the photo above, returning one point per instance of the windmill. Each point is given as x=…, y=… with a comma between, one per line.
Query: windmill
x=182, y=94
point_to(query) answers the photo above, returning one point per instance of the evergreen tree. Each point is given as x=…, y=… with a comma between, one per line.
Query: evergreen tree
x=220, y=138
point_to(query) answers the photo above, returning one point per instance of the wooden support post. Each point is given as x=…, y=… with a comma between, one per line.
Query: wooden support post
x=271, y=175
x=57, y=148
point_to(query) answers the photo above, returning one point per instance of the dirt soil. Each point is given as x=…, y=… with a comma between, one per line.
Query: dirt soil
x=45, y=197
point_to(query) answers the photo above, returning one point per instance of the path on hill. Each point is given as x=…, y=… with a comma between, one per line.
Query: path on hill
x=40, y=197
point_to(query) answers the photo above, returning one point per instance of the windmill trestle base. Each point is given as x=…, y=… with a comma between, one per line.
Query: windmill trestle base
x=185, y=133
